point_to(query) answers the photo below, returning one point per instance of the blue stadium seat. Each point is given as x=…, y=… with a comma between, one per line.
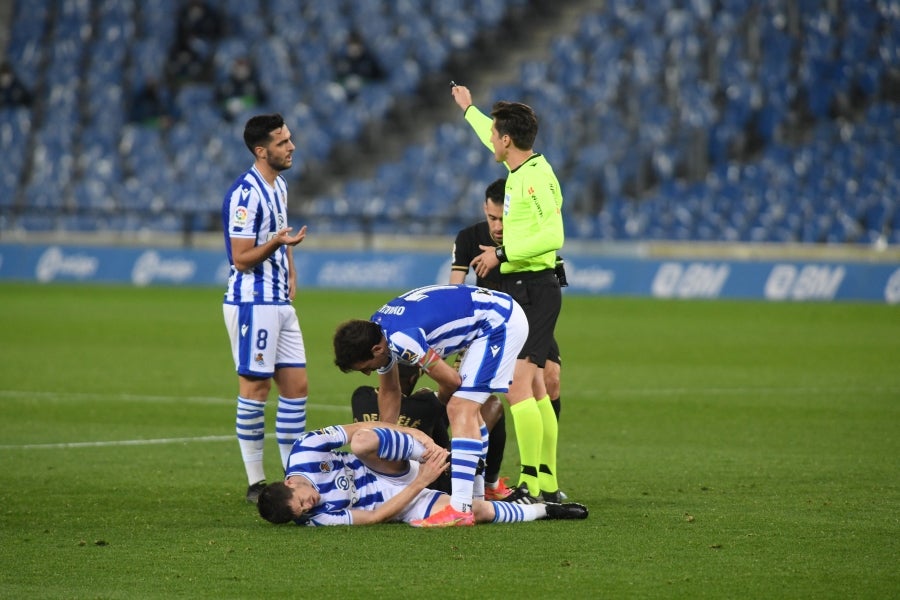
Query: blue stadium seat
x=44, y=192
x=148, y=59
x=15, y=127
x=635, y=84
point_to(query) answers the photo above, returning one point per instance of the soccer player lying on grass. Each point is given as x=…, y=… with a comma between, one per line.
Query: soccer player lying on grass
x=382, y=479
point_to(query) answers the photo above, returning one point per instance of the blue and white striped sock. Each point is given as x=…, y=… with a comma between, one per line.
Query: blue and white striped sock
x=506, y=512
x=464, y=456
x=290, y=423
x=395, y=445
x=250, y=426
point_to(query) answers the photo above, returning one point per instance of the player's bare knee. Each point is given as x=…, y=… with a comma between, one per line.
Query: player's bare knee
x=552, y=387
x=364, y=442
x=459, y=408
x=292, y=382
x=255, y=388
x=552, y=379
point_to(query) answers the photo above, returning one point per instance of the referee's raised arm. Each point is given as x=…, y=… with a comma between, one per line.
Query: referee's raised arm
x=462, y=96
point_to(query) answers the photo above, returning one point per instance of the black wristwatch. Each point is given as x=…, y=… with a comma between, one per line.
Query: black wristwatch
x=501, y=254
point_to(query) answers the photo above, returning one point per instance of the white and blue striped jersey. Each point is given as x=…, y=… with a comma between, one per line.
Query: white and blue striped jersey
x=342, y=480
x=444, y=318
x=255, y=210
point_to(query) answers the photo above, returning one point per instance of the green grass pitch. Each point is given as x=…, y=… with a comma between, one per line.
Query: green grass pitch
x=725, y=450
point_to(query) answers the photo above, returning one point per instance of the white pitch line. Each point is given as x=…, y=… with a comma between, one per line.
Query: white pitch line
x=699, y=391
x=205, y=438
x=332, y=408
x=125, y=397
x=81, y=396
x=150, y=442
x=131, y=397
x=734, y=391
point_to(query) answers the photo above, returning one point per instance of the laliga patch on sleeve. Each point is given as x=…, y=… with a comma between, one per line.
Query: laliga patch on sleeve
x=409, y=357
x=240, y=216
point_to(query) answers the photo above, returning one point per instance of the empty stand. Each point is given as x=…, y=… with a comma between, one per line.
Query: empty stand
x=733, y=120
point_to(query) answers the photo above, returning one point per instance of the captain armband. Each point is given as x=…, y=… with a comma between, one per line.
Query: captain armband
x=429, y=360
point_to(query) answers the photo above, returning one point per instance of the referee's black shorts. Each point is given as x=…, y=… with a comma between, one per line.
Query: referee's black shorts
x=553, y=355
x=539, y=295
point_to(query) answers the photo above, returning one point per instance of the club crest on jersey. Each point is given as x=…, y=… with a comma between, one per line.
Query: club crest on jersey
x=240, y=215
x=259, y=359
x=325, y=466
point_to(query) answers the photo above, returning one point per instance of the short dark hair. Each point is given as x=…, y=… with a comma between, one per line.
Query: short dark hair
x=353, y=342
x=259, y=128
x=516, y=120
x=274, y=503
x=496, y=191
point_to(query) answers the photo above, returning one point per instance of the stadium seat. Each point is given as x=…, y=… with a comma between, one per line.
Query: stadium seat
x=649, y=107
